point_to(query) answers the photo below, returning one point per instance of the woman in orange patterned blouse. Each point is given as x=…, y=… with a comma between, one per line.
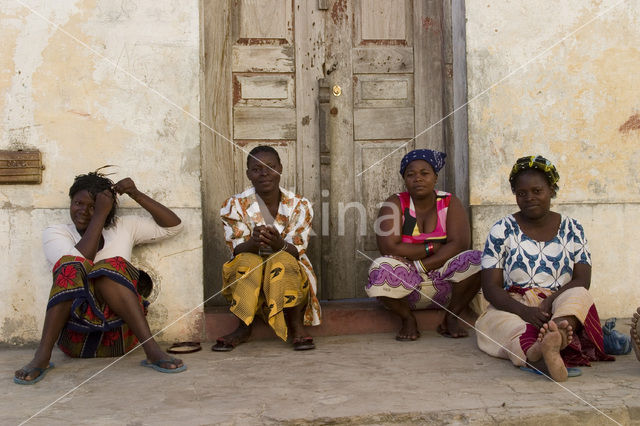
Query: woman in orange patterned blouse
x=267, y=229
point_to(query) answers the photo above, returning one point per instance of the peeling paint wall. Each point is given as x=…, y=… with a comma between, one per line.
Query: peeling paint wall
x=90, y=83
x=557, y=79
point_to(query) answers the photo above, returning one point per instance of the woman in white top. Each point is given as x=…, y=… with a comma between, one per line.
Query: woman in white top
x=95, y=305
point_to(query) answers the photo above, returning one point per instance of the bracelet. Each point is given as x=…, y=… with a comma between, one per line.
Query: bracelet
x=284, y=246
x=428, y=247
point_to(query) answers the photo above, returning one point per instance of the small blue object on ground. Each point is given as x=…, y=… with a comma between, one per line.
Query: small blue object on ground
x=615, y=343
x=571, y=371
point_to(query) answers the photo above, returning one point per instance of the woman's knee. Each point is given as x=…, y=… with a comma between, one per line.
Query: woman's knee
x=248, y=259
x=576, y=293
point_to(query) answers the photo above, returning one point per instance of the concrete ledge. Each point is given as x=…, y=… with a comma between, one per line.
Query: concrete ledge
x=340, y=317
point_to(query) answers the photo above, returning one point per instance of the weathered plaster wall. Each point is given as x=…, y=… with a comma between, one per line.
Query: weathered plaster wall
x=576, y=103
x=90, y=83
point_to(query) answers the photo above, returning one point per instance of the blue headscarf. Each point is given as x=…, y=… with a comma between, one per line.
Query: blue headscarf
x=435, y=158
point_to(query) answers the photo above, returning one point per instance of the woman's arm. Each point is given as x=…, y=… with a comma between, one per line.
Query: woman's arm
x=458, y=236
x=499, y=298
x=90, y=241
x=389, y=234
x=389, y=237
x=162, y=215
x=581, y=278
x=252, y=245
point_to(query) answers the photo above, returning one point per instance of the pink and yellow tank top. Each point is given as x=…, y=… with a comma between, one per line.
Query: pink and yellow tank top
x=410, y=232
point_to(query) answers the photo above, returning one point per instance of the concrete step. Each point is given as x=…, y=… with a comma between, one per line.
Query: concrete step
x=339, y=317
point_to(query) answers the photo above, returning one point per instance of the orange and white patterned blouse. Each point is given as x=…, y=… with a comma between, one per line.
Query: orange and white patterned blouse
x=241, y=213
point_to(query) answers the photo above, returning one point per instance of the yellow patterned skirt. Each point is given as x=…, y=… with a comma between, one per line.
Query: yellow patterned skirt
x=266, y=286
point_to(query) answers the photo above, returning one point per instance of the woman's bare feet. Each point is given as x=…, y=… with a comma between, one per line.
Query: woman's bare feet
x=409, y=330
x=550, y=348
x=451, y=327
x=635, y=338
x=563, y=327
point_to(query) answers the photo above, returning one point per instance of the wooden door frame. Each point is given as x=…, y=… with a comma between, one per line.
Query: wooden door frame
x=216, y=107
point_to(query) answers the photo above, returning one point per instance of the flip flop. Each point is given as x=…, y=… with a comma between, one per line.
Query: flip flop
x=571, y=371
x=303, y=343
x=158, y=365
x=445, y=333
x=30, y=370
x=184, y=348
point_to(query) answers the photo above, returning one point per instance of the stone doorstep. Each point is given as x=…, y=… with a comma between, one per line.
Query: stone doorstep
x=339, y=317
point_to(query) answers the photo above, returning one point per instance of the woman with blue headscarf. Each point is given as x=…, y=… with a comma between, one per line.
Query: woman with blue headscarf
x=424, y=237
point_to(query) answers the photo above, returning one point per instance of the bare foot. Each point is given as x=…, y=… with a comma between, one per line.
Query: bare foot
x=543, y=330
x=550, y=347
x=565, y=329
x=451, y=327
x=635, y=338
x=567, y=332
x=409, y=330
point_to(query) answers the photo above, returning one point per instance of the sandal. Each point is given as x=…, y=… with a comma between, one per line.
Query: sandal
x=226, y=345
x=184, y=348
x=303, y=343
x=157, y=365
x=29, y=370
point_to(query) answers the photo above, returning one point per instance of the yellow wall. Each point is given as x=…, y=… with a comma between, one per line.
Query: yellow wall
x=553, y=78
x=89, y=83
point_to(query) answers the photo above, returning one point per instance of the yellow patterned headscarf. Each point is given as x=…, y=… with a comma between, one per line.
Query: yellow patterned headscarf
x=537, y=162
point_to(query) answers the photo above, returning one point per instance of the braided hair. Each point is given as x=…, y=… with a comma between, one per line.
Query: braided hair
x=94, y=183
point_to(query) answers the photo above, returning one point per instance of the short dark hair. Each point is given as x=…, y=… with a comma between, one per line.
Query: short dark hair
x=262, y=148
x=94, y=183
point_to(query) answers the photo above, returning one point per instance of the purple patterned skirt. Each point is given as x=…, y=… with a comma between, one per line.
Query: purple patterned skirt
x=397, y=278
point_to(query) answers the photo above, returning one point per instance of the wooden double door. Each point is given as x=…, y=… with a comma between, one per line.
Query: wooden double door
x=342, y=89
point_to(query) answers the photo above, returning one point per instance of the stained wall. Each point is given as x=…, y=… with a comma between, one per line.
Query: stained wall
x=90, y=83
x=560, y=79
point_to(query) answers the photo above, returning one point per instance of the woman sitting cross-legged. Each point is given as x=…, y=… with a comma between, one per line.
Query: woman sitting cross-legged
x=267, y=228
x=536, y=275
x=424, y=238
x=95, y=305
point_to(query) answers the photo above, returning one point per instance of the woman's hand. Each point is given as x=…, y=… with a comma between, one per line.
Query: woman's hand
x=162, y=215
x=271, y=237
x=534, y=316
x=546, y=305
x=126, y=186
x=104, y=203
x=256, y=236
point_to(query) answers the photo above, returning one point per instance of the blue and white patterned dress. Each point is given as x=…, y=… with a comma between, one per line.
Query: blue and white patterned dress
x=529, y=263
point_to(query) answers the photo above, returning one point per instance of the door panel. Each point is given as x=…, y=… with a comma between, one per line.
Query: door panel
x=380, y=111
x=270, y=71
